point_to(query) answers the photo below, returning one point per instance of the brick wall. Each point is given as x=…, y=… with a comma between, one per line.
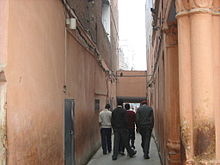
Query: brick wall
x=90, y=15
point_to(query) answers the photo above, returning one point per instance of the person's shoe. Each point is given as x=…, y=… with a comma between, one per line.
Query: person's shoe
x=104, y=153
x=109, y=151
x=133, y=146
x=131, y=155
x=114, y=158
x=121, y=153
x=146, y=157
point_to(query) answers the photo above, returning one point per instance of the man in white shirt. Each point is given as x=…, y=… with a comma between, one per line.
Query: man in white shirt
x=106, y=129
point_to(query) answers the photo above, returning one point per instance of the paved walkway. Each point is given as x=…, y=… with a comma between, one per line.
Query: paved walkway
x=100, y=159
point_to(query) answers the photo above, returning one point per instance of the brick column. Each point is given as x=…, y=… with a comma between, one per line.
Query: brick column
x=202, y=85
x=185, y=87
x=172, y=96
x=195, y=21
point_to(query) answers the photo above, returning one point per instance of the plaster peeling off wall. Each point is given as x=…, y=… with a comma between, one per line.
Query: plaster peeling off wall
x=4, y=12
x=2, y=118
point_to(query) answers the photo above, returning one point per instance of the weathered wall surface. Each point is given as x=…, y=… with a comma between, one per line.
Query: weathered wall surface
x=35, y=79
x=188, y=34
x=163, y=83
x=92, y=21
x=4, y=8
x=131, y=83
x=85, y=82
x=39, y=65
x=198, y=96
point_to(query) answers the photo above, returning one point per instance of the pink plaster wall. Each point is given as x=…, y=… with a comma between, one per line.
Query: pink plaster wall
x=84, y=79
x=3, y=31
x=131, y=86
x=36, y=73
x=35, y=83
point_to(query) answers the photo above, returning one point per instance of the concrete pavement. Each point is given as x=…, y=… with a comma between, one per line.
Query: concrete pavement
x=100, y=159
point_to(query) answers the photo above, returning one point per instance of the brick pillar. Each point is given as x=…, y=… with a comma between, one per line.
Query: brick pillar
x=172, y=96
x=202, y=85
x=185, y=88
x=195, y=21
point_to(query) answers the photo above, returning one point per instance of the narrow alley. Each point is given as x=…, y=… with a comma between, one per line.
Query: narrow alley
x=100, y=159
x=63, y=61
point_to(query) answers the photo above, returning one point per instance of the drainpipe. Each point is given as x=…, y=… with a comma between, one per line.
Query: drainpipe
x=4, y=13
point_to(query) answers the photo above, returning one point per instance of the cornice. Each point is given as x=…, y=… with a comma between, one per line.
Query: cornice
x=186, y=7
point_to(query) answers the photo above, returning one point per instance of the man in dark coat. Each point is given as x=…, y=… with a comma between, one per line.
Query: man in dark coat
x=145, y=124
x=120, y=127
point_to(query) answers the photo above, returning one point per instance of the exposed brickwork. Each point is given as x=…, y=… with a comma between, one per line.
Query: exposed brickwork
x=90, y=15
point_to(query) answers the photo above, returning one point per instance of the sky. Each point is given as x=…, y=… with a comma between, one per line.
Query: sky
x=132, y=32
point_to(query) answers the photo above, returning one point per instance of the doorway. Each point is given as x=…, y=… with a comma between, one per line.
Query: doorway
x=69, y=132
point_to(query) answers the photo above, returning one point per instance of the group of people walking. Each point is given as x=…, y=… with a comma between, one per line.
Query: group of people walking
x=123, y=122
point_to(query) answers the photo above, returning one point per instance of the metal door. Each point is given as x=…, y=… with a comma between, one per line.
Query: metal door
x=69, y=132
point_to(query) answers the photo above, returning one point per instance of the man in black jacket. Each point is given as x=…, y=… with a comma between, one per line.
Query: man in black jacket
x=145, y=124
x=120, y=127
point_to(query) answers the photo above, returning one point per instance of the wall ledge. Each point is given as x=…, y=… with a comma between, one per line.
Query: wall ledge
x=198, y=11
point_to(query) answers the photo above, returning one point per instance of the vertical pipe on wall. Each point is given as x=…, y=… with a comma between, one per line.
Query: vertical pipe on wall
x=65, y=57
